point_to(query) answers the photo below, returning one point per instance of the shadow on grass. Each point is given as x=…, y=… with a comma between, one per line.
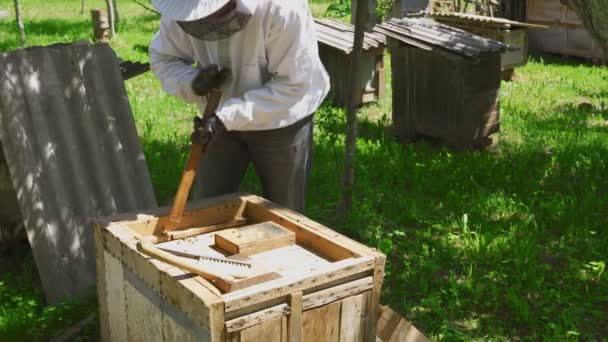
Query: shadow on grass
x=483, y=242
x=556, y=59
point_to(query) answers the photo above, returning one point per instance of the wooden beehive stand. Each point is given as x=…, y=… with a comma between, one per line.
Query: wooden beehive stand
x=325, y=287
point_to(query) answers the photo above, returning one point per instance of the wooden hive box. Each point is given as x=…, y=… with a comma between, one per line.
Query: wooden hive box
x=567, y=34
x=326, y=286
x=512, y=33
x=335, y=47
x=446, y=82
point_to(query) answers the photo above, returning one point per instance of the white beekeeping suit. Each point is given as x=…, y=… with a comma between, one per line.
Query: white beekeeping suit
x=277, y=77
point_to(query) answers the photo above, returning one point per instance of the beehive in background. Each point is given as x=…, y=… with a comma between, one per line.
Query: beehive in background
x=445, y=82
x=567, y=35
x=335, y=46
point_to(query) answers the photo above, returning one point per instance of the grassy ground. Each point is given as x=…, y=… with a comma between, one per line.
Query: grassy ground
x=505, y=244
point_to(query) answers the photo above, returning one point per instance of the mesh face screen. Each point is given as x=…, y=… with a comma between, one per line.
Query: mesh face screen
x=217, y=27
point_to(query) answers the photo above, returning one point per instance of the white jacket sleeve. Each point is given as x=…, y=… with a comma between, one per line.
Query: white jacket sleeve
x=290, y=64
x=172, y=62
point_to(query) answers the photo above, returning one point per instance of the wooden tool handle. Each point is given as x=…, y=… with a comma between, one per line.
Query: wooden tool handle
x=149, y=249
x=196, y=154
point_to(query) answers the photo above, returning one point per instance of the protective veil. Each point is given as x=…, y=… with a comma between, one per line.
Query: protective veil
x=218, y=27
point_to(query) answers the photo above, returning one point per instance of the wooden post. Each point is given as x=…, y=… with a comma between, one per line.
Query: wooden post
x=116, y=15
x=101, y=25
x=110, y=7
x=371, y=19
x=19, y=22
x=350, y=151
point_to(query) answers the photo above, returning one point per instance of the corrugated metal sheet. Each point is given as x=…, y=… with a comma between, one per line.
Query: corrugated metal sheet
x=498, y=22
x=341, y=35
x=430, y=35
x=9, y=209
x=73, y=152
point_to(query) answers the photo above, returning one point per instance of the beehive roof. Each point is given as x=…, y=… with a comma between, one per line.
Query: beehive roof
x=430, y=35
x=341, y=35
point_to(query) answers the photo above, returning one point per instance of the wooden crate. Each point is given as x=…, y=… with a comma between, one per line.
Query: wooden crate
x=327, y=290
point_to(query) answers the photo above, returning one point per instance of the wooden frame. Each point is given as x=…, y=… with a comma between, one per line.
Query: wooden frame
x=191, y=308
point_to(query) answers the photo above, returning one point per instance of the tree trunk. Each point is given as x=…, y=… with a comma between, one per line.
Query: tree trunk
x=594, y=15
x=82, y=7
x=110, y=6
x=348, y=178
x=19, y=22
x=116, y=15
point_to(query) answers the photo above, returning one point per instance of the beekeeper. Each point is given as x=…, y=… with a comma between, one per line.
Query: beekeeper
x=267, y=52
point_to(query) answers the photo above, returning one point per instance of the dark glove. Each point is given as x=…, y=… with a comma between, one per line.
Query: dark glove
x=209, y=77
x=204, y=132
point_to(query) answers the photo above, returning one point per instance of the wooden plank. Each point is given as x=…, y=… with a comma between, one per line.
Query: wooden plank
x=308, y=302
x=173, y=331
x=254, y=239
x=183, y=291
x=352, y=318
x=144, y=315
x=240, y=284
x=336, y=293
x=102, y=290
x=203, y=212
x=186, y=233
x=284, y=330
x=309, y=234
x=295, y=316
x=269, y=331
x=374, y=299
x=321, y=324
x=115, y=299
x=216, y=322
x=282, y=287
x=394, y=328
x=179, y=326
x=256, y=318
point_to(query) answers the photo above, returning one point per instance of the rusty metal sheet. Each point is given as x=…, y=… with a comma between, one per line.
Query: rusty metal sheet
x=73, y=153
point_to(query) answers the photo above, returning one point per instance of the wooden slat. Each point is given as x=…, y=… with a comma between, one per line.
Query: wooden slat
x=115, y=299
x=186, y=233
x=144, y=317
x=353, y=318
x=394, y=328
x=374, y=300
x=321, y=324
x=199, y=212
x=256, y=318
x=336, y=293
x=270, y=331
x=102, y=283
x=173, y=331
x=282, y=287
x=309, y=234
x=308, y=302
x=295, y=317
x=183, y=291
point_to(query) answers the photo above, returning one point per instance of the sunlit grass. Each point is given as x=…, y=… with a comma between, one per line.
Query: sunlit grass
x=504, y=244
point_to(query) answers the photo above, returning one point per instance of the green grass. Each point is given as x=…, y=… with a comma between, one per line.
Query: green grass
x=504, y=244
